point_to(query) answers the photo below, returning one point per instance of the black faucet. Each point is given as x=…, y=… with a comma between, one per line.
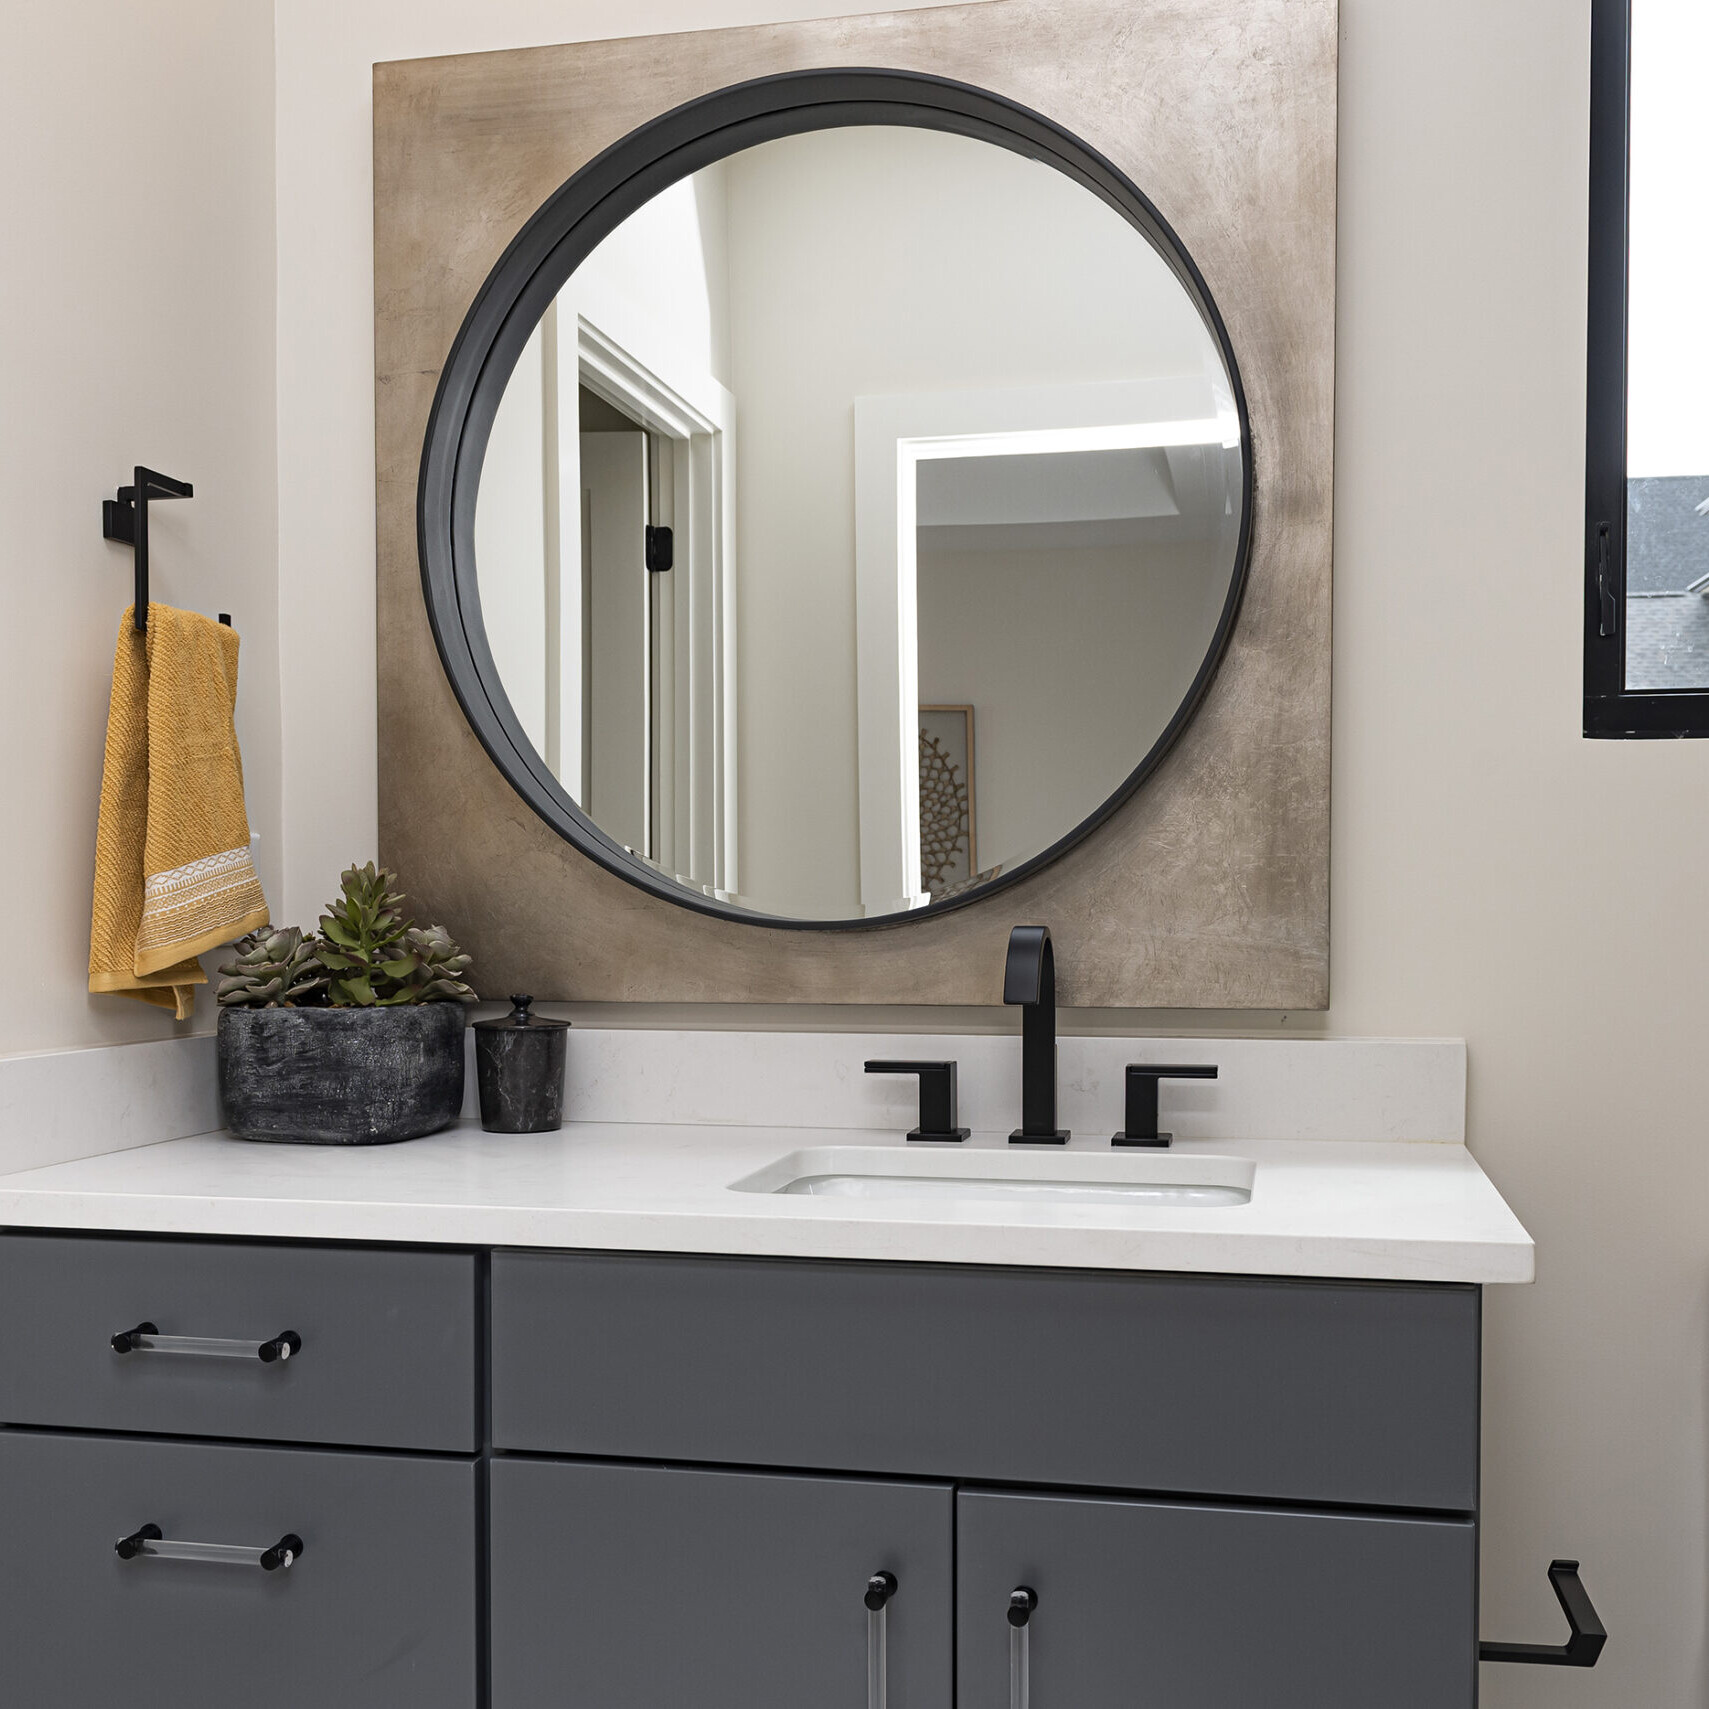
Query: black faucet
x=1029, y=982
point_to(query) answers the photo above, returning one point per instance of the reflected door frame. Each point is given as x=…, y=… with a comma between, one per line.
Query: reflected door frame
x=690, y=419
x=894, y=434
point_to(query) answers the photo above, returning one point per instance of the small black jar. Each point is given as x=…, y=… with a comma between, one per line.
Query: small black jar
x=519, y=1066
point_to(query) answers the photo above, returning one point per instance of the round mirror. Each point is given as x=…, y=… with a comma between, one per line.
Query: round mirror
x=831, y=515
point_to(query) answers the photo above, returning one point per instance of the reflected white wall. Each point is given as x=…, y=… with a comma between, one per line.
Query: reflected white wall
x=1072, y=662
x=886, y=261
x=510, y=542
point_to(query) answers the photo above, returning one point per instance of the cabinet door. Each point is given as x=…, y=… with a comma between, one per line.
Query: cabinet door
x=641, y=1587
x=1190, y=1606
x=377, y=1612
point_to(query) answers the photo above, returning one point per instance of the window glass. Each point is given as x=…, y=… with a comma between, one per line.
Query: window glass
x=1667, y=449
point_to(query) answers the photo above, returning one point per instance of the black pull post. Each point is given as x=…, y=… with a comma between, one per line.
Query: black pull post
x=1139, y=1126
x=128, y=1548
x=937, y=1098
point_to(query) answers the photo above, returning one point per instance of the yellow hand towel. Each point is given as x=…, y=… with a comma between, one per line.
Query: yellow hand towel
x=173, y=872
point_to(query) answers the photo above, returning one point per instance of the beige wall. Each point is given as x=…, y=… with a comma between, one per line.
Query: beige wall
x=136, y=285
x=1495, y=875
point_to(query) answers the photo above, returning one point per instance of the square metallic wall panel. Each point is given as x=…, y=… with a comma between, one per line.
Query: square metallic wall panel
x=1210, y=887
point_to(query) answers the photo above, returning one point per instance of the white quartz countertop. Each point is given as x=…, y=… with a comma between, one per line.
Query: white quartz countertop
x=1367, y=1209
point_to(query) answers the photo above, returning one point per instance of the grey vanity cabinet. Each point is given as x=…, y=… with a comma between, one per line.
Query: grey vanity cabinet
x=1200, y=1606
x=525, y=1480
x=1296, y=1462
x=647, y=1587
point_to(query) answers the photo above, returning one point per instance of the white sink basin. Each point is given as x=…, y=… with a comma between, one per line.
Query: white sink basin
x=935, y=1174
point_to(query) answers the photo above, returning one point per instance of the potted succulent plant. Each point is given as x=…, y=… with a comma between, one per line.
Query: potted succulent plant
x=352, y=1036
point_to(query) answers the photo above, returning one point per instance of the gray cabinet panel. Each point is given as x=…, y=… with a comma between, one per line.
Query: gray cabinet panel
x=1204, y=1607
x=388, y=1355
x=1312, y=1391
x=636, y=1587
x=379, y=1612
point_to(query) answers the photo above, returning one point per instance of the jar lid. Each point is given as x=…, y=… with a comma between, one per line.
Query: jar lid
x=520, y=1017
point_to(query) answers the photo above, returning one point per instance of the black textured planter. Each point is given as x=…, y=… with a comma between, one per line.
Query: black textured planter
x=341, y=1076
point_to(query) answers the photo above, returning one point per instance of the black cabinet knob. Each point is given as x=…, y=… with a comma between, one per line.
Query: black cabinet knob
x=937, y=1098
x=1140, y=1124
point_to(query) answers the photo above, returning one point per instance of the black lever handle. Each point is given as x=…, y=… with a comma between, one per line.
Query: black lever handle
x=937, y=1098
x=1140, y=1124
x=1023, y=1599
x=1588, y=1633
x=879, y=1590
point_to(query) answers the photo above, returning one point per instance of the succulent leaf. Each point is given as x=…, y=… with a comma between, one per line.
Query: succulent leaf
x=272, y=968
x=377, y=957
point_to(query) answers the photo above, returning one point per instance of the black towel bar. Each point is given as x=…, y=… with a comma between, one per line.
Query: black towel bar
x=126, y=518
x=1588, y=1633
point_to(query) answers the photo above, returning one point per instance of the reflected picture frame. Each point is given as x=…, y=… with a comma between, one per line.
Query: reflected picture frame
x=949, y=731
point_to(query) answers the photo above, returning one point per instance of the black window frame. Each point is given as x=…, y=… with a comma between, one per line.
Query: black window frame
x=1610, y=708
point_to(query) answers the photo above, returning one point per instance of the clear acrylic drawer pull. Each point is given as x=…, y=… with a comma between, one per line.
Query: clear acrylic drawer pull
x=1022, y=1601
x=145, y=1338
x=879, y=1590
x=148, y=1541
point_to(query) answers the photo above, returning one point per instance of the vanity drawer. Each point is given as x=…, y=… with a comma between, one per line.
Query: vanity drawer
x=379, y=1611
x=1306, y=1391
x=387, y=1355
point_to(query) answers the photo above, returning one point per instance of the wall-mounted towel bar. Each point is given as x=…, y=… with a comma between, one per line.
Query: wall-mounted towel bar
x=126, y=518
x=1585, y=1624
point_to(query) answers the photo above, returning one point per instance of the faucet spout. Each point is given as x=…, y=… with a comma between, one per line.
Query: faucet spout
x=1029, y=983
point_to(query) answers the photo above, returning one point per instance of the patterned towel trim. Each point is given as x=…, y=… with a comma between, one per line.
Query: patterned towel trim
x=191, y=908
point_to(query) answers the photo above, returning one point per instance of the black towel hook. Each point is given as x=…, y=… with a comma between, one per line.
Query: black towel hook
x=126, y=518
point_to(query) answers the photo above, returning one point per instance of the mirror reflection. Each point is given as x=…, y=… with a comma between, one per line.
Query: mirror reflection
x=857, y=520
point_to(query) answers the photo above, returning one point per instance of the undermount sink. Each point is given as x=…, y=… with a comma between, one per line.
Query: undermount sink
x=881, y=1174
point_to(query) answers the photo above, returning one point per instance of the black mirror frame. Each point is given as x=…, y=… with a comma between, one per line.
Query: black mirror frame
x=1610, y=708
x=560, y=236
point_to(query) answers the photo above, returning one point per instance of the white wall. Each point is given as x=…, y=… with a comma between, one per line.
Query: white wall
x=1495, y=876
x=136, y=285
